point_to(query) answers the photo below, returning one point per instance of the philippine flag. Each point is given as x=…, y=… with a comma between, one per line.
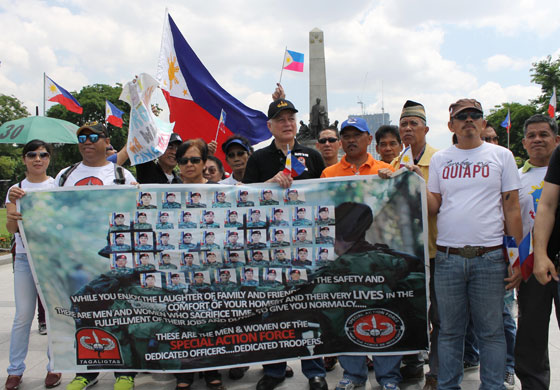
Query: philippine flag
x=112, y=114
x=552, y=104
x=526, y=256
x=293, y=168
x=507, y=122
x=510, y=246
x=196, y=100
x=293, y=61
x=55, y=93
x=406, y=157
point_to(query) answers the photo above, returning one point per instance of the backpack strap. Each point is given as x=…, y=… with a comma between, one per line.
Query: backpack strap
x=119, y=175
x=67, y=173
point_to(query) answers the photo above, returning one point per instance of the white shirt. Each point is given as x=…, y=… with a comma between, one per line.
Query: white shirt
x=471, y=183
x=27, y=185
x=84, y=175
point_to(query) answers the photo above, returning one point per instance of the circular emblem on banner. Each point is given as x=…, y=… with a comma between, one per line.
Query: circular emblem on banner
x=374, y=328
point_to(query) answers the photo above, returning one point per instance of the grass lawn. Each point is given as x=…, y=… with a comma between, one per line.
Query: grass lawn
x=3, y=221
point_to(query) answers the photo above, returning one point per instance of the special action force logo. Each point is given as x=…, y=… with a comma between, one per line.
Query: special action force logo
x=97, y=347
x=374, y=328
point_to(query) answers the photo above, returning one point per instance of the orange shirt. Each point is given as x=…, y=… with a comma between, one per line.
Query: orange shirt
x=344, y=168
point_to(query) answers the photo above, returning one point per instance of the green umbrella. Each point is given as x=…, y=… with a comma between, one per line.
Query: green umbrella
x=51, y=130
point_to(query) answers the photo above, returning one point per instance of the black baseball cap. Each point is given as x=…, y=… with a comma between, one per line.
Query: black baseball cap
x=278, y=106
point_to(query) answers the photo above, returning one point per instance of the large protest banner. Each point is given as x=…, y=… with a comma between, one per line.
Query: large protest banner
x=190, y=277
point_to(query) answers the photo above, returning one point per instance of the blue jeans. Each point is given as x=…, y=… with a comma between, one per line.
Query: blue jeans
x=476, y=284
x=310, y=368
x=26, y=299
x=510, y=330
x=387, y=368
x=471, y=345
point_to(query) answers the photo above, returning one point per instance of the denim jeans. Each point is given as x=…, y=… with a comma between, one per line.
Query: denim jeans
x=510, y=330
x=386, y=368
x=26, y=300
x=310, y=368
x=476, y=284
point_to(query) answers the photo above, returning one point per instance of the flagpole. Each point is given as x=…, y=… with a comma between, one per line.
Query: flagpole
x=44, y=85
x=283, y=61
x=509, y=127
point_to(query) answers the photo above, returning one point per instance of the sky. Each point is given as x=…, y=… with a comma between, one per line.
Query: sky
x=432, y=52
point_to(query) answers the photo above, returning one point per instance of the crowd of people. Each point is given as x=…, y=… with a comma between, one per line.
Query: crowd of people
x=475, y=194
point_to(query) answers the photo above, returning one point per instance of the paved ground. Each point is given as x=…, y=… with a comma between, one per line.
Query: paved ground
x=36, y=359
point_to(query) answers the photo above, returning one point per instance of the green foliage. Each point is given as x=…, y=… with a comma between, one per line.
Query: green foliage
x=547, y=74
x=11, y=108
x=92, y=99
x=519, y=113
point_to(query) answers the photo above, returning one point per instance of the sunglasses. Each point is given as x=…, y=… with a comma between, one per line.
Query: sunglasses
x=33, y=155
x=331, y=140
x=92, y=137
x=192, y=160
x=239, y=153
x=464, y=115
x=490, y=139
x=211, y=170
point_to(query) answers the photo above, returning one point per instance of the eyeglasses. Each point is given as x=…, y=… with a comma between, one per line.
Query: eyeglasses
x=331, y=140
x=491, y=139
x=33, y=155
x=239, y=153
x=92, y=137
x=464, y=115
x=192, y=160
x=211, y=170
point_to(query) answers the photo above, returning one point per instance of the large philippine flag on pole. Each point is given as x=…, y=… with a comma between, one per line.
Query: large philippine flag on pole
x=196, y=100
x=55, y=93
x=552, y=104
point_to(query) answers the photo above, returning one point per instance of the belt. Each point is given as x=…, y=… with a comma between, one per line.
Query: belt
x=468, y=251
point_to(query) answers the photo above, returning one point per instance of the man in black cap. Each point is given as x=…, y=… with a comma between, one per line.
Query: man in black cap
x=267, y=164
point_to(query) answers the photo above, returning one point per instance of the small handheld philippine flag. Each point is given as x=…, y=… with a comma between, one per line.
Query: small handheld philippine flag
x=406, y=157
x=293, y=168
x=113, y=115
x=293, y=61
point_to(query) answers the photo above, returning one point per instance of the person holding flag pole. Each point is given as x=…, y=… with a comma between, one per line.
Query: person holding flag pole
x=267, y=165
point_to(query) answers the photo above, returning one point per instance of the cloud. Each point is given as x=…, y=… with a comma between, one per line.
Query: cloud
x=501, y=61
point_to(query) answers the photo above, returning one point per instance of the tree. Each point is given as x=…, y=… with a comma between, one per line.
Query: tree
x=11, y=169
x=92, y=99
x=547, y=74
x=11, y=108
x=519, y=113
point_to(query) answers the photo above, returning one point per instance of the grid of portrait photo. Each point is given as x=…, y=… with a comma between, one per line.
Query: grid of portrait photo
x=220, y=239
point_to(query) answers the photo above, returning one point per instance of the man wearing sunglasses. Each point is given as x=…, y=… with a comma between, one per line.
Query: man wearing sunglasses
x=237, y=150
x=328, y=144
x=473, y=188
x=489, y=135
x=94, y=169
